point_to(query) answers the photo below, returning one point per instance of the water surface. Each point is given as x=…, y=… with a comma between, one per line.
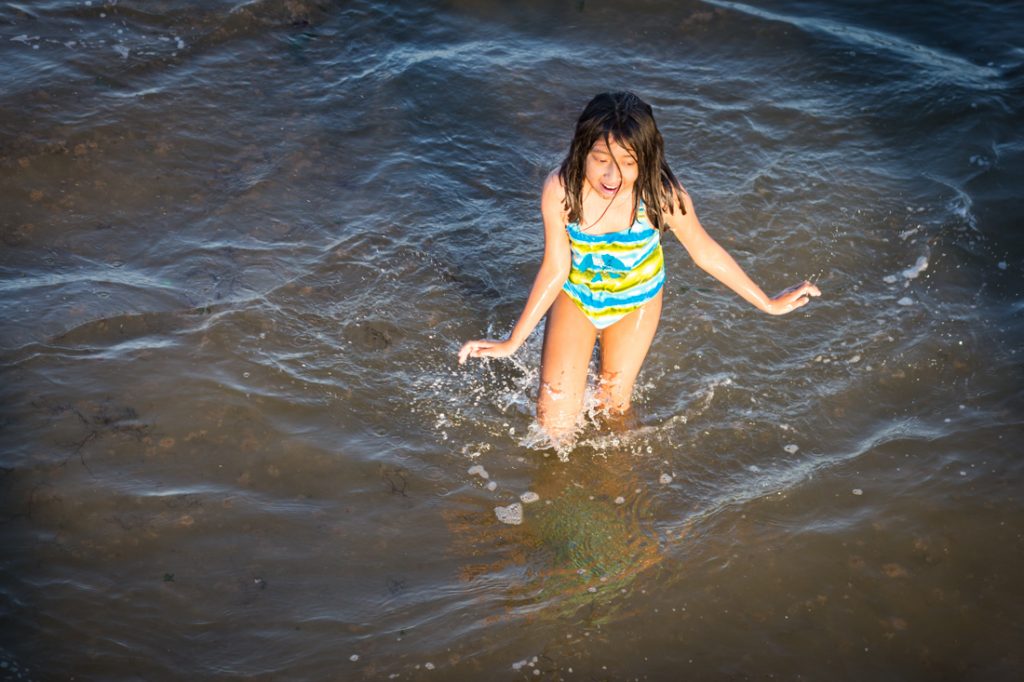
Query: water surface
x=242, y=243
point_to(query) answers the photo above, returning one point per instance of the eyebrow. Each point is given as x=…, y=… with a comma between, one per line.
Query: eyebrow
x=604, y=150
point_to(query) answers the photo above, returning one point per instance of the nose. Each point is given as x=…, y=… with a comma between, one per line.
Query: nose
x=611, y=175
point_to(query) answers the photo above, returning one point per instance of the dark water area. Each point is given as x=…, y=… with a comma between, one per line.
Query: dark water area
x=241, y=243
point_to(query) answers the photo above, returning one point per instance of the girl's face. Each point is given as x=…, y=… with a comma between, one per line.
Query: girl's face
x=611, y=168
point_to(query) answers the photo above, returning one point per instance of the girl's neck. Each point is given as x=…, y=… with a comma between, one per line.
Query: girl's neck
x=590, y=195
x=600, y=214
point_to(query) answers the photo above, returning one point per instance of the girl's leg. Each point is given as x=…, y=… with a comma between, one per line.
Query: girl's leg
x=624, y=346
x=568, y=344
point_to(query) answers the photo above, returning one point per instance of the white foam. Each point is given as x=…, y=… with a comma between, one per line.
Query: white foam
x=916, y=269
x=709, y=391
x=665, y=479
x=529, y=497
x=963, y=207
x=1002, y=265
x=478, y=470
x=537, y=438
x=906, y=300
x=511, y=515
x=910, y=232
x=792, y=448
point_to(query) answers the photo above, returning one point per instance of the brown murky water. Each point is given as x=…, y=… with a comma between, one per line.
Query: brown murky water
x=241, y=244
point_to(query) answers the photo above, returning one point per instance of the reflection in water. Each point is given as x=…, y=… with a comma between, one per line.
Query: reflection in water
x=580, y=548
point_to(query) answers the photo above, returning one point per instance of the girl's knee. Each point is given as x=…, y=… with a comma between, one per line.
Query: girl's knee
x=557, y=411
x=613, y=393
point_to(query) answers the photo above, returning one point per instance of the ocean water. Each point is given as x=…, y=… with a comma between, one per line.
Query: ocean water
x=241, y=243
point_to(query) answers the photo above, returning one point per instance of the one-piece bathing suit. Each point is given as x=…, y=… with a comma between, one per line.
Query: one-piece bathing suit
x=615, y=273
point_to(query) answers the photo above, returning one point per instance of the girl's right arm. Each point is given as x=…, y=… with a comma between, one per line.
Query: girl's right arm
x=554, y=270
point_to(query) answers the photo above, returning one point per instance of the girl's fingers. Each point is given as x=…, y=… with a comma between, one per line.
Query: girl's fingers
x=472, y=349
x=811, y=289
x=801, y=297
x=804, y=291
x=796, y=296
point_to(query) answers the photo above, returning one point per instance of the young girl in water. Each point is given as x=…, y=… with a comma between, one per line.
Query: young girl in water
x=605, y=210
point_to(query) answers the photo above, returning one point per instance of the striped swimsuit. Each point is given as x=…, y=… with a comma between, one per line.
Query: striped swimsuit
x=615, y=273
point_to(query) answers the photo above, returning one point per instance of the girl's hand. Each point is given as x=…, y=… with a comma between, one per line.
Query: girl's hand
x=792, y=298
x=486, y=348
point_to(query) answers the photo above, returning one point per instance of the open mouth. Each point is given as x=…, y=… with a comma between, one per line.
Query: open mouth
x=608, y=189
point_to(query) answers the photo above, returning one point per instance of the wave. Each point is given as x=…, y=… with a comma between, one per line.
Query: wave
x=940, y=64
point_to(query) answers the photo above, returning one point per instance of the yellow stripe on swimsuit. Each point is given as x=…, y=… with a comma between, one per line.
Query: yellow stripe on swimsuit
x=615, y=273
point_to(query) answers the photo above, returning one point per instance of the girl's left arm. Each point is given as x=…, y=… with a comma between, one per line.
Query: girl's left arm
x=716, y=261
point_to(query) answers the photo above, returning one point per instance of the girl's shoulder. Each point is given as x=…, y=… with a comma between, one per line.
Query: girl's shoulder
x=676, y=196
x=553, y=193
x=552, y=201
x=553, y=185
x=674, y=192
x=676, y=207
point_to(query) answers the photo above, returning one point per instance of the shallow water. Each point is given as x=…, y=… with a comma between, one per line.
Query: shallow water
x=242, y=242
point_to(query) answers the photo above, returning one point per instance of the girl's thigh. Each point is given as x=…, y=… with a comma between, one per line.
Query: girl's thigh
x=568, y=344
x=624, y=346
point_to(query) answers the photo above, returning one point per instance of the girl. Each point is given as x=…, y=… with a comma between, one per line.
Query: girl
x=605, y=210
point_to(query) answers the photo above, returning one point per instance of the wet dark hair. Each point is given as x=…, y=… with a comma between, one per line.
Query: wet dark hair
x=627, y=119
